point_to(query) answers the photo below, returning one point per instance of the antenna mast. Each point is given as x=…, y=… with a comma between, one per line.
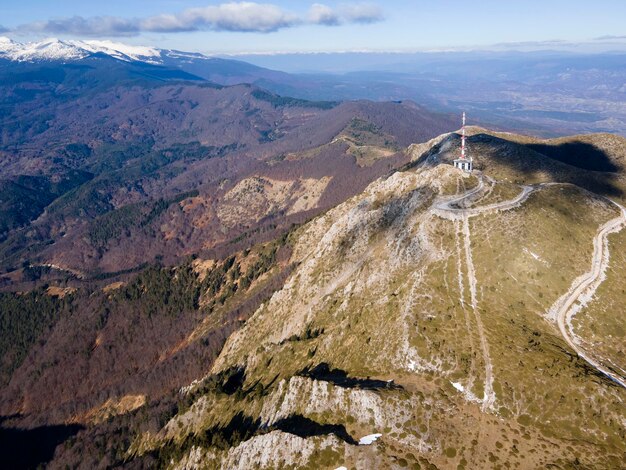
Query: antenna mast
x=463, y=138
x=463, y=162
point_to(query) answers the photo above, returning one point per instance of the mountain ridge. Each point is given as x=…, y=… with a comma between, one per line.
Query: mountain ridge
x=52, y=49
x=128, y=143
x=418, y=309
x=435, y=288
x=197, y=274
x=539, y=93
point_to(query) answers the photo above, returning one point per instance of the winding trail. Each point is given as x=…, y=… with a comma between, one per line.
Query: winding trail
x=562, y=311
x=450, y=207
x=489, y=396
x=448, y=204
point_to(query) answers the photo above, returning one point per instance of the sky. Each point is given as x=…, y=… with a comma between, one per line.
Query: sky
x=219, y=27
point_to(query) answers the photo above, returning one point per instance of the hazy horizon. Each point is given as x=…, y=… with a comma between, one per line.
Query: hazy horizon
x=307, y=27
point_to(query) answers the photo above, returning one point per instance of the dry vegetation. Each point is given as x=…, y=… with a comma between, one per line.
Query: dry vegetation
x=412, y=322
x=390, y=313
x=600, y=323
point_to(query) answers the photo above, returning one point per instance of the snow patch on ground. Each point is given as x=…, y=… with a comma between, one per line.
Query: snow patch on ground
x=535, y=256
x=369, y=439
x=467, y=394
x=458, y=386
x=417, y=364
x=526, y=250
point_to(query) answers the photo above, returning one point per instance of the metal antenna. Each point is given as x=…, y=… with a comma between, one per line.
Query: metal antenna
x=463, y=138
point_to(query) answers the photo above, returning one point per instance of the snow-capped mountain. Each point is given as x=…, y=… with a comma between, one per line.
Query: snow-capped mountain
x=71, y=50
x=60, y=52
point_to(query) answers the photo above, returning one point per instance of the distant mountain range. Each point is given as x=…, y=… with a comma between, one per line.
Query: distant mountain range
x=71, y=50
x=222, y=71
x=542, y=92
x=546, y=93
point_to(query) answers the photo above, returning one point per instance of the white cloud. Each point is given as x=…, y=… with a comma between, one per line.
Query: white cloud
x=232, y=16
x=361, y=12
x=240, y=16
x=77, y=25
x=323, y=14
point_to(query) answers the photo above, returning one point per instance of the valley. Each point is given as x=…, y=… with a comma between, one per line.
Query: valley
x=162, y=166
x=433, y=308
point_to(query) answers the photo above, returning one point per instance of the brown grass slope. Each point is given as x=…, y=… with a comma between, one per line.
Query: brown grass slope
x=387, y=288
x=376, y=288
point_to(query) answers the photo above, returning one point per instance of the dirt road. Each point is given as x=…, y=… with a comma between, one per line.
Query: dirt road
x=599, y=263
x=451, y=207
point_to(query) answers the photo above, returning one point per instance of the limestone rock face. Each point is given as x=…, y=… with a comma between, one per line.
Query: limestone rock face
x=458, y=316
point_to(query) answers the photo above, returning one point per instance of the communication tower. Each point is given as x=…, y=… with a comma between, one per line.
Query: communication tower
x=464, y=162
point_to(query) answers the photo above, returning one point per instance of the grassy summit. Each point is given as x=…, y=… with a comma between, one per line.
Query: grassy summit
x=428, y=324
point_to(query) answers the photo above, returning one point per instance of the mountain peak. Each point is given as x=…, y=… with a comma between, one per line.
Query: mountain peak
x=53, y=49
x=122, y=51
x=47, y=49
